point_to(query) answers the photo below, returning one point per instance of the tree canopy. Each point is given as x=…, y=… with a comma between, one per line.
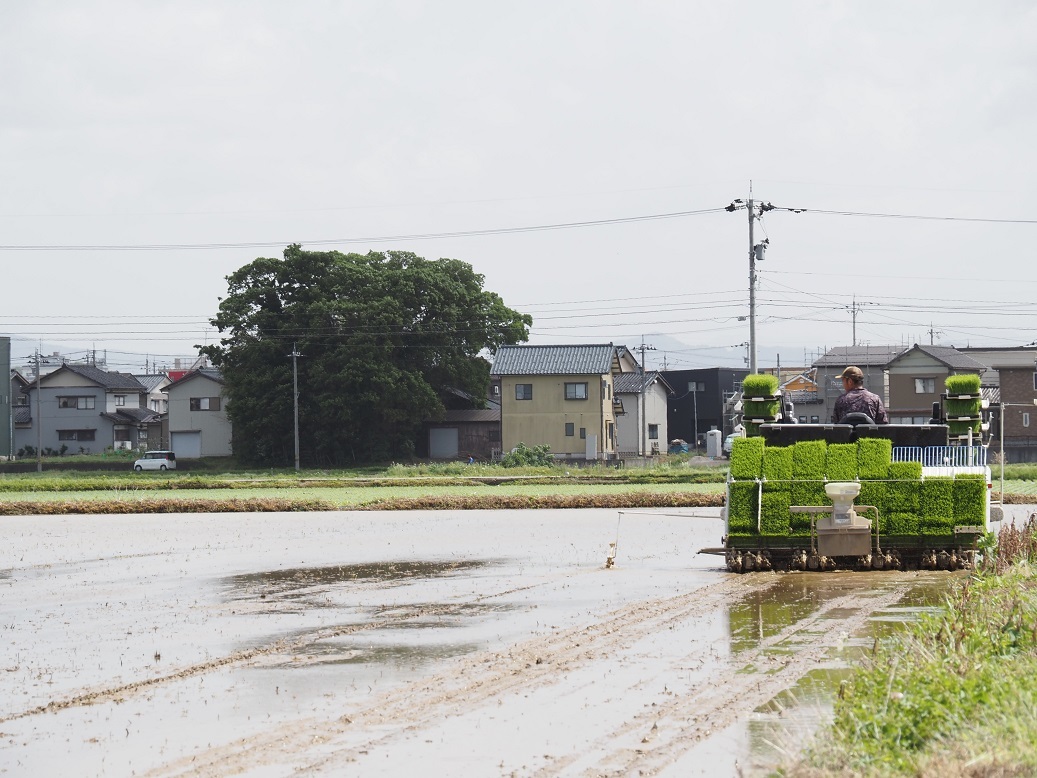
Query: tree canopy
x=381, y=335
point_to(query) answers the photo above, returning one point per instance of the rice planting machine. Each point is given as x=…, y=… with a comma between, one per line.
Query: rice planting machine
x=859, y=495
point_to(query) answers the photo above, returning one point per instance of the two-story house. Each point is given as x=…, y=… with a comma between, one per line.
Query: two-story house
x=872, y=361
x=84, y=409
x=1018, y=395
x=561, y=396
x=197, y=423
x=916, y=380
x=641, y=423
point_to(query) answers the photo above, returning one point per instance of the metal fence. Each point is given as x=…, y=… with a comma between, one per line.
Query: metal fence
x=942, y=456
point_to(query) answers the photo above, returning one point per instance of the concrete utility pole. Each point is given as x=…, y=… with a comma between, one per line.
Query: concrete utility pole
x=39, y=419
x=756, y=254
x=855, y=308
x=295, y=395
x=641, y=399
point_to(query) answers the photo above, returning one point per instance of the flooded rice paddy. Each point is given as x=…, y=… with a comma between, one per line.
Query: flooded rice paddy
x=484, y=642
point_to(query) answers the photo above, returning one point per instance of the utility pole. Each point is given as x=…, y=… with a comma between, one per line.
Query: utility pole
x=695, y=405
x=855, y=308
x=295, y=395
x=933, y=333
x=39, y=419
x=756, y=253
x=641, y=398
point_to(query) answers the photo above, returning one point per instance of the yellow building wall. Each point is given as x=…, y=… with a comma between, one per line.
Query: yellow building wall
x=543, y=419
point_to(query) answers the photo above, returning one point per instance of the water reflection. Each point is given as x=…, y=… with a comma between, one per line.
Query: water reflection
x=768, y=620
x=301, y=581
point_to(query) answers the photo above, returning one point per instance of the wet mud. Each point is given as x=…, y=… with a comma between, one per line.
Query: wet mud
x=482, y=642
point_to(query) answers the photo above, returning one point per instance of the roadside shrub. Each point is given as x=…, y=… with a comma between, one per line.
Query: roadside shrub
x=524, y=456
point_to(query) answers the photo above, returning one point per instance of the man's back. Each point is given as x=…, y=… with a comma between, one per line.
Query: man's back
x=860, y=400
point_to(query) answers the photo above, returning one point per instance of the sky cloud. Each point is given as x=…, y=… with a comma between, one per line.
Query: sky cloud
x=188, y=123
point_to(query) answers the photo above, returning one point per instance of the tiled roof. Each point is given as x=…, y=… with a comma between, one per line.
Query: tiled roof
x=953, y=358
x=151, y=382
x=554, y=360
x=482, y=415
x=132, y=416
x=842, y=356
x=114, y=381
x=630, y=383
x=208, y=372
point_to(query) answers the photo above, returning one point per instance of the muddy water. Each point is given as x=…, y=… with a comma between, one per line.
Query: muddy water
x=484, y=642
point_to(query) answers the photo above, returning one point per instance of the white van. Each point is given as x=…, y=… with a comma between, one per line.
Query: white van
x=156, y=460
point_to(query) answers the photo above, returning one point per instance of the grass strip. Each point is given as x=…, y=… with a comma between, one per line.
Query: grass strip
x=637, y=499
x=952, y=694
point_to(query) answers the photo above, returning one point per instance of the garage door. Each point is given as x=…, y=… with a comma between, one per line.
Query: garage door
x=186, y=445
x=442, y=442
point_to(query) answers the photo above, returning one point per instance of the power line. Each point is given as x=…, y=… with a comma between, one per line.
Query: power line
x=374, y=239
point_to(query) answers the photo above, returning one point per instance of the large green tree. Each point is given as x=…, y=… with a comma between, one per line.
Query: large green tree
x=381, y=336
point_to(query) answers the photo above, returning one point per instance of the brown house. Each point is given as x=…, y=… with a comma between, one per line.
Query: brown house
x=916, y=380
x=1018, y=395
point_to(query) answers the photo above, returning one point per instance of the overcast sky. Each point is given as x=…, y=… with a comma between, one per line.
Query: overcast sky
x=336, y=123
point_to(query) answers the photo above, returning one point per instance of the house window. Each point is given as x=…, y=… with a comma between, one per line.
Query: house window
x=570, y=429
x=575, y=391
x=493, y=436
x=523, y=391
x=696, y=386
x=122, y=434
x=79, y=403
x=1035, y=381
x=815, y=419
x=76, y=434
x=205, y=403
x=925, y=385
x=1026, y=420
x=583, y=433
x=802, y=419
x=142, y=434
x=120, y=400
x=22, y=399
x=653, y=431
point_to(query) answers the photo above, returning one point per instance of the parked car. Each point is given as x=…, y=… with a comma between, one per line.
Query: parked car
x=729, y=442
x=156, y=460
